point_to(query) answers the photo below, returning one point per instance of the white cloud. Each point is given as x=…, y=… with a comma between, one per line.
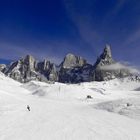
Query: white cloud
x=118, y=66
x=113, y=66
x=133, y=38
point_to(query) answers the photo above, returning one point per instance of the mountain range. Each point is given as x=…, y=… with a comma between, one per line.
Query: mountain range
x=73, y=69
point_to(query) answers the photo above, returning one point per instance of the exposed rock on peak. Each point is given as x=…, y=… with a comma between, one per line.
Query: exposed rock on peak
x=107, y=52
x=46, y=65
x=71, y=61
x=105, y=58
x=23, y=70
x=29, y=58
x=48, y=69
x=2, y=67
x=73, y=69
x=106, y=68
x=30, y=62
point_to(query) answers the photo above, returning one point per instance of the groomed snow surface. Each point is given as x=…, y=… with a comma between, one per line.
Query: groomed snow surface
x=63, y=111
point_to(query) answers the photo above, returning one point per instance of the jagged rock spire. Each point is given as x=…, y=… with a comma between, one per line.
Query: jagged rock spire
x=106, y=68
x=30, y=61
x=105, y=58
x=46, y=65
x=107, y=52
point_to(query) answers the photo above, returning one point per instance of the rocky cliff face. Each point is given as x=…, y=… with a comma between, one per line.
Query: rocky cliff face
x=2, y=67
x=48, y=69
x=71, y=61
x=73, y=69
x=28, y=68
x=106, y=68
x=105, y=58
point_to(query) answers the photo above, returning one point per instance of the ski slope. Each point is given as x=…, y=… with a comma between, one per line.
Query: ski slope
x=62, y=112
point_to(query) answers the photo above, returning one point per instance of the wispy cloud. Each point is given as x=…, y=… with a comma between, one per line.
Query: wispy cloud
x=112, y=12
x=83, y=22
x=14, y=52
x=132, y=38
x=11, y=52
x=118, y=66
x=116, y=9
x=53, y=51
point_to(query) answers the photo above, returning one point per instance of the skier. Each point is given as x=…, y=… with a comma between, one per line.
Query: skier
x=28, y=107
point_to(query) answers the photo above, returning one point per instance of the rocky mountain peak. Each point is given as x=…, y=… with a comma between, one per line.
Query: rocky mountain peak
x=71, y=61
x=70, y=55
x=106, y=68
x=29, y=61
x=28, y=58
x=47, y=64
x=107, y=52
x=73, y=69
x=2, y=67
x=105, y=58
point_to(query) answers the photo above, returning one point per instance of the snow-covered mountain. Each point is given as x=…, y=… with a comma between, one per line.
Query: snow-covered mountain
x=73, y=69
x=63, y=111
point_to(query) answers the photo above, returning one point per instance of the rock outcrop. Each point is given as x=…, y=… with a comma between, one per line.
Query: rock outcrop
x=48, y=69
x=106, y=68
x=105, y=58
x=72, y=61
x=2, y=67
x=73, y=69
x=22, y=70
x=27, y=69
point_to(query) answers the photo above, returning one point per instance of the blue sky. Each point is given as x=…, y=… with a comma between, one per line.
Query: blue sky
x=52, y=28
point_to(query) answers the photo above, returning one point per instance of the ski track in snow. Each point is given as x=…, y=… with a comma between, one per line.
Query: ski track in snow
x=64, y=113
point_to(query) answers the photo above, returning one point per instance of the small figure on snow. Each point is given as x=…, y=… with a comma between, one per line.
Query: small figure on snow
x=89, y=97
x=28, y=107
